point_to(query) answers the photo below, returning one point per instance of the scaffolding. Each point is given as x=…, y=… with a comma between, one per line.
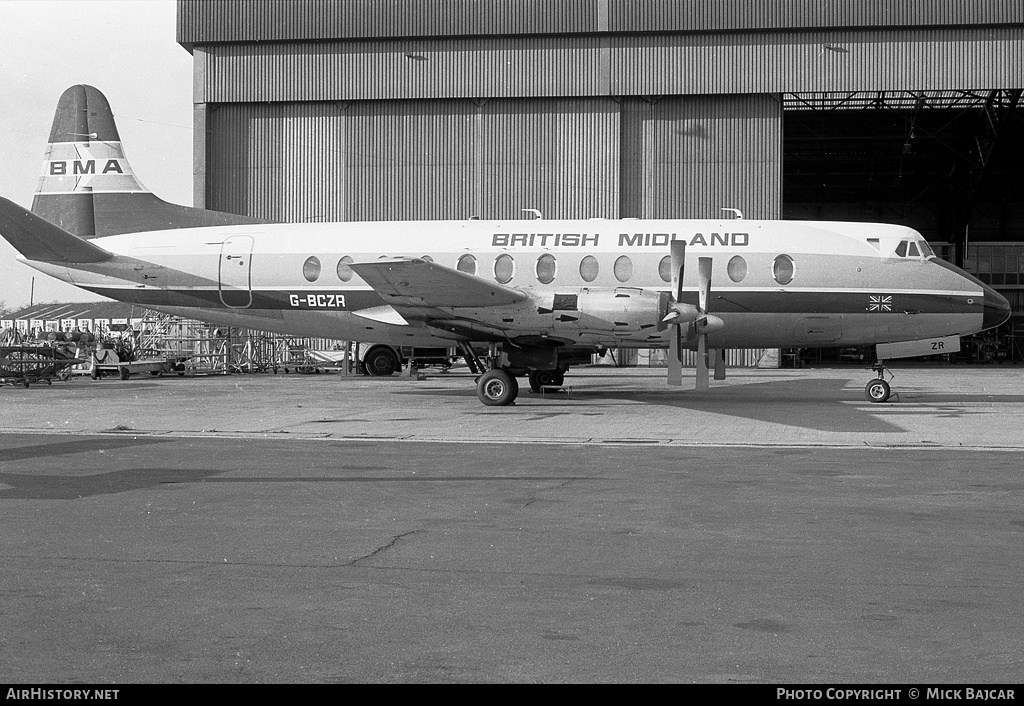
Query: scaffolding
x=207, y=349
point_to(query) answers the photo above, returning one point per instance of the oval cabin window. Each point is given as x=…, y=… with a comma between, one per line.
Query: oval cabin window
x=665, y=269
x=623, y=269
x=737, y=269
x=311, y=269
x=344, y=271
x=504, y=268
x=467, y=264
x=782, y=270
x=589, y=268
x=546, y=267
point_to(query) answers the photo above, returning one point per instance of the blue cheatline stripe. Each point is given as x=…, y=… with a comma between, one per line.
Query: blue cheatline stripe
x=723, y=301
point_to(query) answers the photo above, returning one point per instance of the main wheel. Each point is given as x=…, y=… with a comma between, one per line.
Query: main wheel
x=496, y=388
x=381, y=362
x=877, y=390
x=546, y=378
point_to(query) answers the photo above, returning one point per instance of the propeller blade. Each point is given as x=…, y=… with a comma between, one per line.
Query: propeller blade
x=704, y=283
x=674, y=361
x=704, y=298
x=677, y=251
x=719, y=364
x=701, y=382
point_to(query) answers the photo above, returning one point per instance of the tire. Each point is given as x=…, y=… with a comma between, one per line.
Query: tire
x=124, y=373
x=546, y=378
x=877, y=390
x=496, y=388
x=381, y=362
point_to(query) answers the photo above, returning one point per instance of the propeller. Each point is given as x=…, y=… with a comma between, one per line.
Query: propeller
x=698, y=322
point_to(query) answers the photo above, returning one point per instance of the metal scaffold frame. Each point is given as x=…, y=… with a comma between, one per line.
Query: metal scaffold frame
x=218, y=350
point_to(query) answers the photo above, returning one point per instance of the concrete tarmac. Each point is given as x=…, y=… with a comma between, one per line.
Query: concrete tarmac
x=779, y=528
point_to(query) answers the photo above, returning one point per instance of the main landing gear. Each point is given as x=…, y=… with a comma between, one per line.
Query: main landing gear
x=497, y=388
x=496, y=384
x=878, y=390
x=546, y=378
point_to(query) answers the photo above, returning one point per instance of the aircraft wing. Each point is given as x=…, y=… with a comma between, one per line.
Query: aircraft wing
x=418, y=283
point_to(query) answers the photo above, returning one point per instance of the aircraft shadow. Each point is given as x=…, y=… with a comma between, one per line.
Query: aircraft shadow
x=50, y=487
x=815, y=404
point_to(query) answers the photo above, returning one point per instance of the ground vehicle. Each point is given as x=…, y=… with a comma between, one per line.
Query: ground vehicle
x=380, y=359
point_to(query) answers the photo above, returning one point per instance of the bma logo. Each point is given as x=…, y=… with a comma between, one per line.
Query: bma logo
x=83, y=167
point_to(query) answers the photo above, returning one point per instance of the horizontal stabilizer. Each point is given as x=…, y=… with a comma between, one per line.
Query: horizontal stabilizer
x=40, y=240
x=421, y=283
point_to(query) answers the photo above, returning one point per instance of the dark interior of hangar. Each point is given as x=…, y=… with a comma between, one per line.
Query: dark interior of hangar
x=947, y=164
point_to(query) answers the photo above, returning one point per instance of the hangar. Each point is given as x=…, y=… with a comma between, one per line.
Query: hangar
x=903, y=111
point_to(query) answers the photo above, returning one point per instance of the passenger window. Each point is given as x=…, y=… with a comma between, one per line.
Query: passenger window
x=623, y=269
x=311, y=269
x=737, y=269
x=546, y=266
x=782, y=269
x=504, y=268
x=665, y=269
x=589, y=268
x=344, y=271
x=467, y=264
x=901, y=249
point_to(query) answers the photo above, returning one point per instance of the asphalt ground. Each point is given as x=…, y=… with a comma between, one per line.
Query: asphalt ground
x=255, y=528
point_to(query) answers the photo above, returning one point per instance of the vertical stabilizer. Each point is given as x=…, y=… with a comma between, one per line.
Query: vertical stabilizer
x=87, y=186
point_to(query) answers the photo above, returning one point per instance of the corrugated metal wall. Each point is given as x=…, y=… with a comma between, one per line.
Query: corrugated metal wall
x=703, y=154
x=207, y=21
x=679, y=157
x=618, y=65
x=425, y=109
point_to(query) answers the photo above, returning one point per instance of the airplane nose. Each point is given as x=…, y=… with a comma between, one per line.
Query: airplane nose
x=995, y=309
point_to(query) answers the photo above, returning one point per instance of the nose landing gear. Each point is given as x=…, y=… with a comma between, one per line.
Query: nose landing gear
x=878, y=390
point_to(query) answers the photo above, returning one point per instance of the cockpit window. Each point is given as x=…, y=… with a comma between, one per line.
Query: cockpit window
x=914, y=248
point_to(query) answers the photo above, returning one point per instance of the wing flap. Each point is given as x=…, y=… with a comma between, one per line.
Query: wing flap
x=418, y=283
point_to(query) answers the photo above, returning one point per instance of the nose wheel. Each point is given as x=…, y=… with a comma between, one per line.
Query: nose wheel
x=878, y=390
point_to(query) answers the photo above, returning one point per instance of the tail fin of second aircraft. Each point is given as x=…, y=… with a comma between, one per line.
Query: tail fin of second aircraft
x=87, y=186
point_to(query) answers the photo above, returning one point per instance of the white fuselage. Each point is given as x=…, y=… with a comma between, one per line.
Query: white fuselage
x=774, y=283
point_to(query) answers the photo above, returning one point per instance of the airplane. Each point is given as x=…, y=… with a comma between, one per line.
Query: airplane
x=537, y=293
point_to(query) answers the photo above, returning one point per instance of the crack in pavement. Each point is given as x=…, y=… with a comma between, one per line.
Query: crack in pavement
x=384, y=548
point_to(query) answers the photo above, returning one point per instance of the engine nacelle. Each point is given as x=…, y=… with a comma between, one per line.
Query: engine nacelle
x=621, y=309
